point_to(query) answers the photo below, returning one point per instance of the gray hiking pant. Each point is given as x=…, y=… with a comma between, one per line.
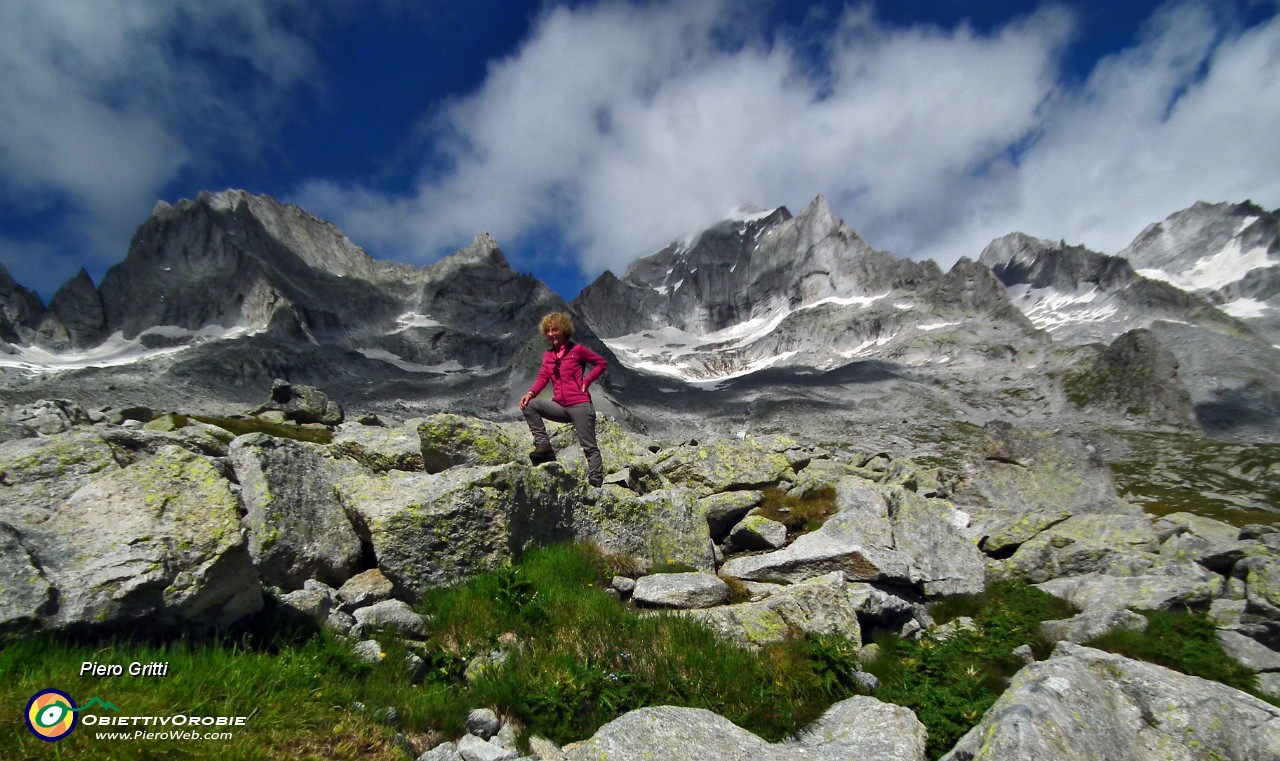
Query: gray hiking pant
x=583, y=418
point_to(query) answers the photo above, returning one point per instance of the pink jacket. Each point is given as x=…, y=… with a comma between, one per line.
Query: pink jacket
x=568, y=385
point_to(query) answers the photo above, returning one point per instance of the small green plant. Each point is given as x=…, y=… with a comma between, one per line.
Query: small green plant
x=950, y=683
x=613, y=564
x=587, y=658
x=800, y=513
x=834, y=660
x=1183, y=641
x=738, y=591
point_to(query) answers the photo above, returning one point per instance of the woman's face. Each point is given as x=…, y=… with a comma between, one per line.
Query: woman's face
x=555, y=336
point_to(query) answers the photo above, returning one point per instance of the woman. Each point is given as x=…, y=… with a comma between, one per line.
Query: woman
x=570, y=402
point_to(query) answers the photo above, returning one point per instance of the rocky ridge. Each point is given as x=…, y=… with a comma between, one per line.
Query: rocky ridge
x=220, y=295
x=804, y=292
x=1228, y=253
x=349, y=533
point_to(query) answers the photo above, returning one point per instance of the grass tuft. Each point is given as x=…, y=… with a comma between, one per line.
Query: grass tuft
x=800, y=513
x=1183, y=641
x=951, y=683
x=584, y=658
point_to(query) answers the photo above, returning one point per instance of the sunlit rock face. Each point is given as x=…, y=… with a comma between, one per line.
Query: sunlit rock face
x=768, y=290
x=1228, y=253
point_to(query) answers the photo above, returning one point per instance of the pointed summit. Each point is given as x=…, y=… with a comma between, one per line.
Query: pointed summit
x=75, y=319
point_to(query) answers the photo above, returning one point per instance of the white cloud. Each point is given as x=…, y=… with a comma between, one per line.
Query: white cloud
x=1188, y=114
x=631, y=126
x=102, y=102
x=626, y=127
x=621, y=126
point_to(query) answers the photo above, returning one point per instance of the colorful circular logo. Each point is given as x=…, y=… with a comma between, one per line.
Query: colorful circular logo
x=51, y=715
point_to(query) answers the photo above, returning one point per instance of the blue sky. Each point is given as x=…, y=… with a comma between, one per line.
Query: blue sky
x=584, y=135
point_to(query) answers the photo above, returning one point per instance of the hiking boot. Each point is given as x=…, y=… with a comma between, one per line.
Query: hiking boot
x=542, y=453
x=596, y=481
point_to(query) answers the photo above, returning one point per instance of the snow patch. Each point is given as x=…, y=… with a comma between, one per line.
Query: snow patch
x=866, y=346
x=1051, y=309
x=452, y=366
x=1217, y=270
x=116, y=351
x=414, y=320
x=674, y=353
x=1245, y=308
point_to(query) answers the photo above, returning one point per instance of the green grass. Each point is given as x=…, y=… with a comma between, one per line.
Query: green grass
x=577, y=659
x=951, y=683
x=800, y=513
x=586, y=658
x=1182, y=641
x=296, y=698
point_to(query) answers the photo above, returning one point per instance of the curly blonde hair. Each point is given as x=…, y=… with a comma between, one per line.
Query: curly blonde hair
x=559, y=321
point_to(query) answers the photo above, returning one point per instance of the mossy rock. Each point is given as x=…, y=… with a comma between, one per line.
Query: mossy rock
x=451, y=440
x=727, y=465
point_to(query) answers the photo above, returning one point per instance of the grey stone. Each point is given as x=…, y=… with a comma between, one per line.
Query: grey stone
x=1020, y=470
x=680, y=590
x=857, y=540
x=727, y=465
x=302, y=404
x=930, y=532
x=39, y=473
x=365, y=588
x=1106, y=544
x=864, y=728
x=675, y=734
x=1090, y=625
x=950, y=629
x=482, y=663
x=392, y=615
x=1085, y=703
x=340, y=622
x=887, y=610
x=1249, y=652
x=430, y=530
x=1261, y=576
x=1184, y=584
x=26, y=597
x=546, y=750
x=483, y=723
x=49, y=416
x=472, y=748
x=756, y=532
x=446, y=751
x=298, y=529
x=381, y=449
x=1007, y=531
x=311, y=603
x=860, y=727
x=449, y=440
x=820, y=606
x=108, y=549
x=1269, y=684
x=725, y=509
x=369, y=650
